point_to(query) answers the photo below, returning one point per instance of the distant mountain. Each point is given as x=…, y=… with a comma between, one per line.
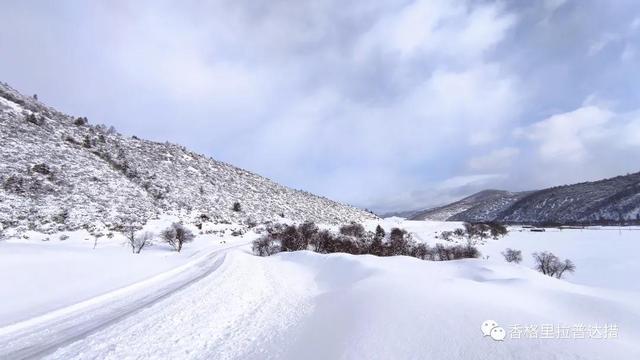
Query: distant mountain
x=59, y=172
x=403, y=214
x=611, y=200
x=484, y=204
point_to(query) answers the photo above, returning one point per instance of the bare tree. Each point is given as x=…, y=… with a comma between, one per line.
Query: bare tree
x=550, y=265
x=177, y=235
x=140, y=240
x=137, y=241
x=377, y=243
x=512, y=255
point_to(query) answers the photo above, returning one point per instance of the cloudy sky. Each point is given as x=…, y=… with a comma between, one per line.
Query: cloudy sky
x=392, y=104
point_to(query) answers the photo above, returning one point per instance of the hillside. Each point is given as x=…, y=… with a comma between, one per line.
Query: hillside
x=611, y=200
x=481, y=205
x=58, y=173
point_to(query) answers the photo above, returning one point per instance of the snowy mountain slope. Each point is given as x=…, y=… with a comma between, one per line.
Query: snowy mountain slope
x=313, y=306
x=484, y=203
x=59, y=173
x=615, y=199
x=610, y=200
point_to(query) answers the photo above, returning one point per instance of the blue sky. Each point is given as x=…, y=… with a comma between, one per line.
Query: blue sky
x=388, y=105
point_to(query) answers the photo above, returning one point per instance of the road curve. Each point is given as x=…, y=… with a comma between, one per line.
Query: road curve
x=42, y=335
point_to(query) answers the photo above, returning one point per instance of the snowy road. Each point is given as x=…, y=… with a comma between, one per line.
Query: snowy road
x=42, y=335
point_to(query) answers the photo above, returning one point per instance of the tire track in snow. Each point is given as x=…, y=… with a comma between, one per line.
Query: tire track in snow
x=38, y=337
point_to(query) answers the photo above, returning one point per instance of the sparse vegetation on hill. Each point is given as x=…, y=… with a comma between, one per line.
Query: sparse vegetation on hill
x=52, y=162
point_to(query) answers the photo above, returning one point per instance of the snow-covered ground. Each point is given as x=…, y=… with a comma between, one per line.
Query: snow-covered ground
x=40, y=276
x=604, y=256
x=306, y=305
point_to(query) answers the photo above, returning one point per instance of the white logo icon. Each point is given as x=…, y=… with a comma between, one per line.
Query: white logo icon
x=491, y=328
x=498, y=333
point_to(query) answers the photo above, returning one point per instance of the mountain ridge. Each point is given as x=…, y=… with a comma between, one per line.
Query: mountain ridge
x=610, y=200
x=58, y=172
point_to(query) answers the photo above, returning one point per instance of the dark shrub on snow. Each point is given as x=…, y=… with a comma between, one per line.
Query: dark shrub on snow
x=353, y=239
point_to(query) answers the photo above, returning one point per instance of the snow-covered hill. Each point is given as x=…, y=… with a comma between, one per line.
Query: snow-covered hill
x=58, y=173
x=611, y=200
x=484, y=204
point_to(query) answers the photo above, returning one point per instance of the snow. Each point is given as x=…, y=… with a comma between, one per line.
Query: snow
x=313, y=306
x=41, y=276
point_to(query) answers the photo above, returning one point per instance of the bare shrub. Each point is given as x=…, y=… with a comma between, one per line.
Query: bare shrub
x=399, y=242
x=265, y=246
x=550, y=265
x=445, y=253
x=458, y=233
x=354, y=229
x=177, y=235
x=422, y=251
x=497, y=230
x=446, y=235
x=322, y=241
x=308, y=229
x=291, y=239
x=41, y=169
x=353, y=239
x=512, y=255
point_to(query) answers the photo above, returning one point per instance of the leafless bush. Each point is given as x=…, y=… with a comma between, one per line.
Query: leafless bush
x=512, y=255
x=353, y=229
x=265, y=246
x=177, y=235
x=497, y=230
x=291, y=239
x=308, y=229
x=422, y=251
x=137, y=241
x=353, y=239
x=459, y=233
x=400, y=242
x=445, y=253
x=550, y=265
x=446, y=235
x=322, y=241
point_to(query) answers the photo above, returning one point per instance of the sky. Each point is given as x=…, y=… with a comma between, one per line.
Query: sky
x=387, y=105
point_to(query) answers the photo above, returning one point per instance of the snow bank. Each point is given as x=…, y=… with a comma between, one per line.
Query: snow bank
x=306, y=305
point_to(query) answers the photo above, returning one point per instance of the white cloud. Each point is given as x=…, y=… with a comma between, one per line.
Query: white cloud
x=498, y=159
x=439, y=28
x=589, y=143
x=564, y=137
